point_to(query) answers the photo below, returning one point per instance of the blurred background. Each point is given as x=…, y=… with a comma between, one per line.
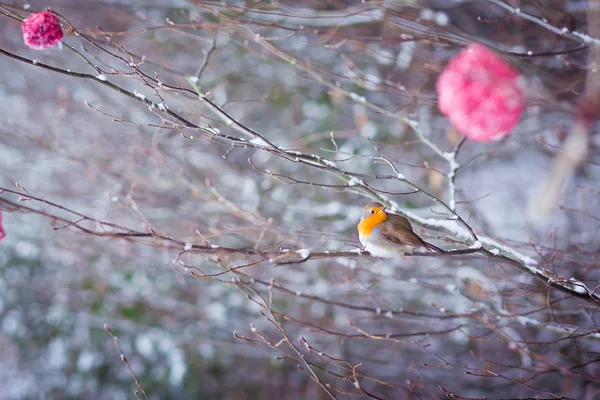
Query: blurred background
x=340, y=83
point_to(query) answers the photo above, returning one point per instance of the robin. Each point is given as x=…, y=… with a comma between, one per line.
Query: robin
x=388, y=235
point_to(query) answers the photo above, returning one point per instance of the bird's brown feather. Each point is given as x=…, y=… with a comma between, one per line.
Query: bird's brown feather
x=397, y=229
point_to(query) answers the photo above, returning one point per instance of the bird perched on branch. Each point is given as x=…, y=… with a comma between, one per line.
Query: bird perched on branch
x=384, y=234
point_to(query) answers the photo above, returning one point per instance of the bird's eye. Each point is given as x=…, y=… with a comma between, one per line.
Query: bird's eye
x=372, y=211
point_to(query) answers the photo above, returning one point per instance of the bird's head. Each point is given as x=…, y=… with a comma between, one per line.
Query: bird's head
x=373, y=210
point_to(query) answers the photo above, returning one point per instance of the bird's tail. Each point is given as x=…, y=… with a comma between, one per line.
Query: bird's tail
x=431, y=247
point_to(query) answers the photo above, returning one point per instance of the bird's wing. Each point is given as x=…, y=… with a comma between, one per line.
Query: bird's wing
x=398, y=230
x=399, y=222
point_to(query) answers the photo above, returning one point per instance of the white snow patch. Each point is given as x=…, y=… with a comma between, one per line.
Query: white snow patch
x=216, y=312
x=579, y=286
x=441, y=18
x=86, y=361
x=426, y=14
x=369, y=129
x=139, y=95
x=354, y=181
x=259, y=141
x=144, y=345
x=304, y=253
x=405, y=55
x=358, y=98
x=586, y=38
x=450, y=287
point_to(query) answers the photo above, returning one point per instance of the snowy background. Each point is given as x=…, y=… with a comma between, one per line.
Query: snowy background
x=338, y=81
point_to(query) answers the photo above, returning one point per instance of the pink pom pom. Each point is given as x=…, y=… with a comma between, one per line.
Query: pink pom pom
x=41, y=30
x=2, y=234
x=480, y=94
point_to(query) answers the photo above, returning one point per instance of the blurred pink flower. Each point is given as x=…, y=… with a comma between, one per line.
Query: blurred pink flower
x=2, y=234
x=41, y=30
x=480, y=94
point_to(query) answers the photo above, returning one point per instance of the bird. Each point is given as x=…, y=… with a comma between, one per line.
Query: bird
x=388, y=235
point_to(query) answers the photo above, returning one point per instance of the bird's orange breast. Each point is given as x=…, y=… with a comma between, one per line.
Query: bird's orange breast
x=367, y=225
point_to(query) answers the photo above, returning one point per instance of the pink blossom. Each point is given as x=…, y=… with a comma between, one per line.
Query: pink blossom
x=2, y=234
x=41, y=30
x=480, y=94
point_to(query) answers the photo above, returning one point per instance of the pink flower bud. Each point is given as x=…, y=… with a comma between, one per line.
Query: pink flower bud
x=2, y=234
x=41, y=30
x=480, y=94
